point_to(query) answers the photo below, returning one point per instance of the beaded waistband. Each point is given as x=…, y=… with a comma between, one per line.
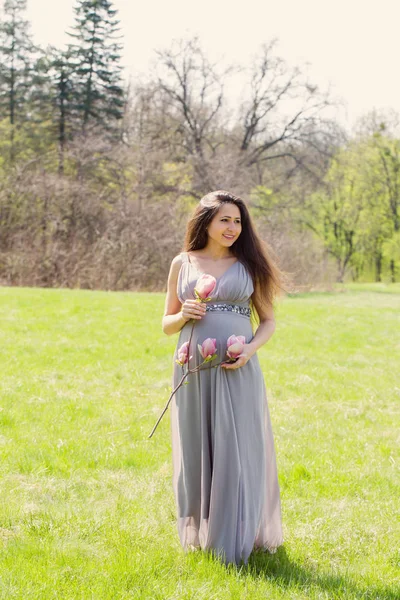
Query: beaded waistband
x=236, y=308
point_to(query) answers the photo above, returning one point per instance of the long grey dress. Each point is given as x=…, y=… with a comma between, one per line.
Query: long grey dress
x=224, y=467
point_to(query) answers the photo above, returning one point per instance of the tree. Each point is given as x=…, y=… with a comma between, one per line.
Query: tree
x=60, y=70
x=192, y=94
x=334, y=212
x=282, y=116
x=380, y=130
x=16, y=49
x=98, y=96
x=389, y=173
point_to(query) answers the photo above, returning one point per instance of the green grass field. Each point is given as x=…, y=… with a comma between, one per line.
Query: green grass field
x=86, y=502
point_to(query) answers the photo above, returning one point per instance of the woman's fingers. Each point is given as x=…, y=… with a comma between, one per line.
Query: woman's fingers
x=240, y=362
x=193, y=310
x=200, y=306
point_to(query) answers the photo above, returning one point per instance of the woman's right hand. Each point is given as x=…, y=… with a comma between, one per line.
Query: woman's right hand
x=191, y=309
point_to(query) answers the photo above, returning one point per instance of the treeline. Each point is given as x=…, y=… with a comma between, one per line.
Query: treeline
x=98, y=177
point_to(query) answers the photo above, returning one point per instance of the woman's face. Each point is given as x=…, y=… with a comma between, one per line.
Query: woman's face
x=226, y=225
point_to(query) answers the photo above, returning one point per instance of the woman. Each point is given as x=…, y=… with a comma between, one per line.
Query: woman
x=224, y=467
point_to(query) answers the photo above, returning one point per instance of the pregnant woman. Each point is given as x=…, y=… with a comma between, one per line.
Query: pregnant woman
x=224, y=467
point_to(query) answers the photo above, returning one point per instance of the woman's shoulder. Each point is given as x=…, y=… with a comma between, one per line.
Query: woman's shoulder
x=177, y=262
x=180, y=258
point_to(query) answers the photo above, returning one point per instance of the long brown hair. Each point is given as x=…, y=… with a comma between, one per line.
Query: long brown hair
x=249, y=249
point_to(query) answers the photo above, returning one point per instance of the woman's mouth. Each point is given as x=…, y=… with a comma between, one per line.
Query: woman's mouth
x=228, y=237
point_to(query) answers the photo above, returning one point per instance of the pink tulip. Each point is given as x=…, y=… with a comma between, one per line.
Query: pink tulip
x=235, y=345
x=183, y=354
x=205, y=286
x=208, y=349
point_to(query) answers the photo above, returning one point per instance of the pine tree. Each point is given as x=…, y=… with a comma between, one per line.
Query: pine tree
x=98, y=96
x=62, y=92
x=16, y=50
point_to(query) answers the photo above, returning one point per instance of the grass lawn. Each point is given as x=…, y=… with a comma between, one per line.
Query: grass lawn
x=86, y=502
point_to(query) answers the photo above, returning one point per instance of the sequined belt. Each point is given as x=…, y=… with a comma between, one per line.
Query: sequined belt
x=236, y=308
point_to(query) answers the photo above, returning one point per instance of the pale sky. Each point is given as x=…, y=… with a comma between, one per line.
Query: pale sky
x=350, y=45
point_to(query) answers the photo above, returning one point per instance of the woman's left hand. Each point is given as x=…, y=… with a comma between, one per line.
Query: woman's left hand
x=241, y=360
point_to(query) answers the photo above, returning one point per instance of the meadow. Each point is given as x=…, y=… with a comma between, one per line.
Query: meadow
x=86, y=502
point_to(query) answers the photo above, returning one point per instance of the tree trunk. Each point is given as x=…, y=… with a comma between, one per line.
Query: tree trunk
x=393, y=271
x=61, y=123
x=341, y=270
x=378, y=267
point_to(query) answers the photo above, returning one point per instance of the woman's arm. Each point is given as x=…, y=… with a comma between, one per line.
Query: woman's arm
x=267, y=324
x=176, y=315
x=173, y=320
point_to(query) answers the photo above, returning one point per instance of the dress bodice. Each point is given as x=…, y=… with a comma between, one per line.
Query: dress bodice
x=235, y=285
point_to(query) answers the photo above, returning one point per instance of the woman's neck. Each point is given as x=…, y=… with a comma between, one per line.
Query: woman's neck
x=215, y=252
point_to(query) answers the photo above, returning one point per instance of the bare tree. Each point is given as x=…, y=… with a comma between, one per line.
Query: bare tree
x=282, y=116
x=194, y=89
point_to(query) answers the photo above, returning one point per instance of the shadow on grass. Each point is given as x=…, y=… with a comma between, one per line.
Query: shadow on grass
x=280, y=569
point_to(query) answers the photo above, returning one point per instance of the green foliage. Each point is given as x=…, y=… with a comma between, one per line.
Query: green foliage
x=355, y=212
x=263, y=201
x=25, y=143
x=391, y=248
